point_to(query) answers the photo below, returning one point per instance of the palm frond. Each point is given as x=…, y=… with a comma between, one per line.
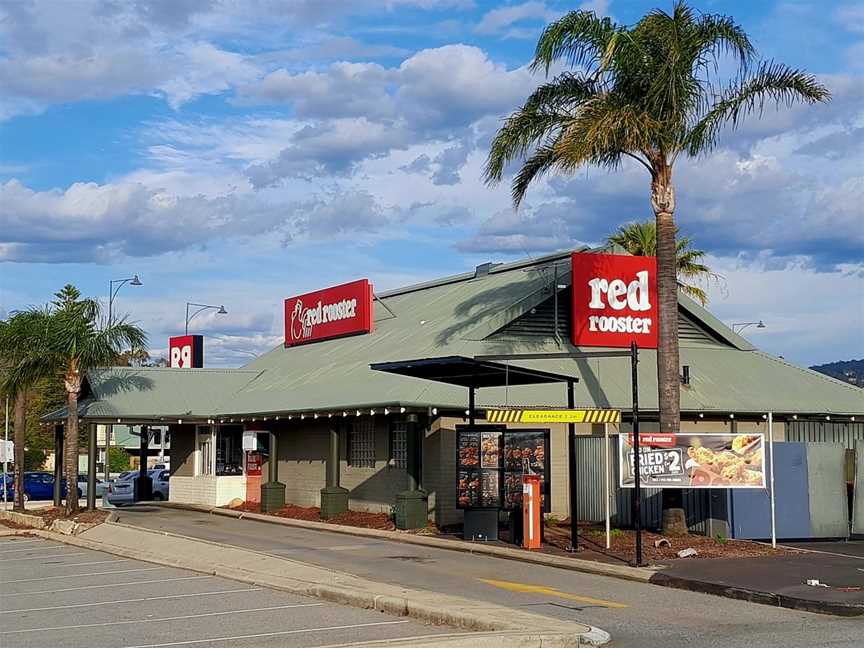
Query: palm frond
x=580, y=38
x=771, y=82
x=544, y=158
x=544, y=112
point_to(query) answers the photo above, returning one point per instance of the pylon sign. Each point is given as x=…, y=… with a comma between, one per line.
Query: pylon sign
x=553, y=416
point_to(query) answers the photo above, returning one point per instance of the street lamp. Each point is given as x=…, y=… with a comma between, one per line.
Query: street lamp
x=744, y=325
x=112, y=292
x=220, y=310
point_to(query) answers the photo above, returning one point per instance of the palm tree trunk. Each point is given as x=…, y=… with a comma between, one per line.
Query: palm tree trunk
x=73, y=388
x=20, y=427
x=668, y=381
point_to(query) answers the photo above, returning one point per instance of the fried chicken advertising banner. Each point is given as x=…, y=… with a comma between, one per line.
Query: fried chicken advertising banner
x=694, y=460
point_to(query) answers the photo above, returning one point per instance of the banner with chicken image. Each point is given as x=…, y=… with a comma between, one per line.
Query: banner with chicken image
x=687, y=460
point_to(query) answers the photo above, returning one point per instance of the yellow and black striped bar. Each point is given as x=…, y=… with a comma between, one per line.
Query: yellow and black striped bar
x=553, y=416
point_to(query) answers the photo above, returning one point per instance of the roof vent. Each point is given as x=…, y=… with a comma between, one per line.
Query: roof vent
x=484, y=268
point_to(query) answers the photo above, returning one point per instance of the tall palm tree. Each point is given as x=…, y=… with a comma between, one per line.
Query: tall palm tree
x=20, y=349
x=75, y=341
x=640, y=239
x=649, y=92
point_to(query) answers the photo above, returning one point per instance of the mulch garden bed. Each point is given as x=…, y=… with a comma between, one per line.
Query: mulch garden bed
x=361, y=519
x=592, y=545
x=59, y=513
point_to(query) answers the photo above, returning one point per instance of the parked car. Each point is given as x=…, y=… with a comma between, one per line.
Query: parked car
x=101, y=486
x=37, y=486
x=122, y=490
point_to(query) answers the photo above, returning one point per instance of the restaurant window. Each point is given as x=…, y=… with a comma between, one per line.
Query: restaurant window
x=399, y=445
x=229, y=450
x=361, y=443
x=204, y=451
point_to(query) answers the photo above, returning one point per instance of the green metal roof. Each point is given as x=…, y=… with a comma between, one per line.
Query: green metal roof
x=459, y=316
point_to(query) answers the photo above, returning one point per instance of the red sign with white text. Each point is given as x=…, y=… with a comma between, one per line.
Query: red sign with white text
x=186, y=352
x=614, y=300
x=330, y=313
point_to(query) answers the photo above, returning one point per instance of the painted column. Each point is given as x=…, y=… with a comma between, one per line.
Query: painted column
x=334, y=498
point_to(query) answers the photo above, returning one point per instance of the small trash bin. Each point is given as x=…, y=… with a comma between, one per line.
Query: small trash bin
x=412, y=510
x=272, y=496
x=334, y=501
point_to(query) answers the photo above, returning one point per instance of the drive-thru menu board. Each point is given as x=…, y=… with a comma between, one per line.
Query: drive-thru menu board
x=694, y=460
x=491, y=463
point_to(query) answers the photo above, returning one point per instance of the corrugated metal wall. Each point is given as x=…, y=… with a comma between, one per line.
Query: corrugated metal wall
x=845, y=433
x=590, y=467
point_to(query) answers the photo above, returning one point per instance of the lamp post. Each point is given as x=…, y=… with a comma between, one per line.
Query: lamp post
x=220, y=310
x=112, y=293
x=744, y=325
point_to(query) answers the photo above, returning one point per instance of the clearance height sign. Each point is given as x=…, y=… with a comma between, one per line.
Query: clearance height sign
x=614, y=300
x=330, y=313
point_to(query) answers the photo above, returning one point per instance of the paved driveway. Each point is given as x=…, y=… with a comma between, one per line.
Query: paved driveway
x=636, y=615
x=53, y=594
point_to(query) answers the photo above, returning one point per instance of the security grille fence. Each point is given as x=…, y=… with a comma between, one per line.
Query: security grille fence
x=361, y=443
x=821, y=431
x=399, y=444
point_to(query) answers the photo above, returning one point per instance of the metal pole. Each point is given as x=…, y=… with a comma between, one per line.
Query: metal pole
x=471, y=397
x=5, y=458
x=91, y=468
x=606, y=484
x=571, y=465
x=58, y=464
x=186, y=332
x=771, y=453
x=637, y=490
x=108, y=428
x=333, y=459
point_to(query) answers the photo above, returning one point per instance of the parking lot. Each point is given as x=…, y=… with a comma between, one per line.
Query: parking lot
x=53, y=594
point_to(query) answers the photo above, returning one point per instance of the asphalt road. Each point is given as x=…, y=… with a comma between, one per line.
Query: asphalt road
x=53, y=594
x=637, y=615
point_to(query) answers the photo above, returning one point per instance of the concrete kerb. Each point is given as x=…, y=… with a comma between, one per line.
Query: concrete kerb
x=638, y=574
x=509, y=627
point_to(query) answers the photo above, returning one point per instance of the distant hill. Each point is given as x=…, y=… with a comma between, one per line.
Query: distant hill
x=851, y=371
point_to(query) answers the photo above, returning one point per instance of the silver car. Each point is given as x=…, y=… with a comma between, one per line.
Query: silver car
x=122, y=490
x=101, y=486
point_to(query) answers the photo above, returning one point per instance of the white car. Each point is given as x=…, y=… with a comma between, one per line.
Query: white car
x=122, y=490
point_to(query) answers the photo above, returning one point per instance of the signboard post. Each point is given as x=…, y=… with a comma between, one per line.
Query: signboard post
x=771, y=455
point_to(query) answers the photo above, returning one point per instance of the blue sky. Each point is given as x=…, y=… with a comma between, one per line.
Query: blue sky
x=239, y=152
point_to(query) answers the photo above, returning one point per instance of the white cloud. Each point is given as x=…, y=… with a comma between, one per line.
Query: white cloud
x=501, y=19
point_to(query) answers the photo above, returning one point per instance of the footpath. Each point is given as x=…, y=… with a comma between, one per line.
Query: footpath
x=490, y=624
x=780, y=581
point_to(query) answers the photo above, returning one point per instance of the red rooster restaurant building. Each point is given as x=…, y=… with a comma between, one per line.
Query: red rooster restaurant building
x=314, y=416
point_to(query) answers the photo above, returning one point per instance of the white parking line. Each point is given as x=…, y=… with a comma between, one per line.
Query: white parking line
x=87, y=587
x=63, y=555
x=268, y=634
x=119, y=571
x=136, y=600
x=151, y=620
x=8, y=551
x=95, y=562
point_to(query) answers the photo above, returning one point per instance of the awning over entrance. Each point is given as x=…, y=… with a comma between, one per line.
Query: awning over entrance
x=471, y=373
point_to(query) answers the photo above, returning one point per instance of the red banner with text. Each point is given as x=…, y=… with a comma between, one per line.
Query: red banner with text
x=614, y=300
x=330, y=313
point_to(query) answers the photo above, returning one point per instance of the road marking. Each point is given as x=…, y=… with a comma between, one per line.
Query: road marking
x=151, y=620
x=5, y=551
x=95, y=562
x=118, y=571
x=138, y=600
x=87, y=587
x=63, y=555
x=268, y=634
x=525, y=588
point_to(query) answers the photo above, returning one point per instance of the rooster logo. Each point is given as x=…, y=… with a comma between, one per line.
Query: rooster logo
x=300, y=327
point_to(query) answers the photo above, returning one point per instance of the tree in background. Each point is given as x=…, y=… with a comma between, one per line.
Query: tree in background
x=21, y=343
x=118, y=460
x=71, y=343
x=640, y=239
x=650, y=92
